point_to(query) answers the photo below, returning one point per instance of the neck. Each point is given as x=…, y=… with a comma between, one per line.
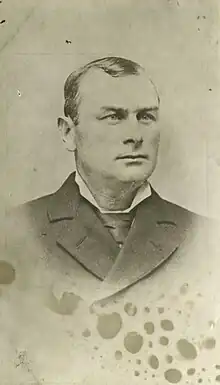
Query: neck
x=110, y=193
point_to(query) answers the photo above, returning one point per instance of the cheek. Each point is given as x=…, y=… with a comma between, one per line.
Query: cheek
x=91, y=136
x=152, y=138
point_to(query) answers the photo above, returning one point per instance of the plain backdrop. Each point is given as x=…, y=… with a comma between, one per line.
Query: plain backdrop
x=177, y=41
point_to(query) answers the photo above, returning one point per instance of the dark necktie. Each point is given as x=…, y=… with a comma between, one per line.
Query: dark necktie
x=118, y=224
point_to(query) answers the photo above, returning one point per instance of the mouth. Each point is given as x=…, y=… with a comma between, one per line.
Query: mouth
x=133, y=156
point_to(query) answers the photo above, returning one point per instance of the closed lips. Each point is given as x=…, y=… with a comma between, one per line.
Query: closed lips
x=132, y=157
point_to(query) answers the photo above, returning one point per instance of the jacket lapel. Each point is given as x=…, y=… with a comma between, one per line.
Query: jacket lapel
x=157, y=231
x=81, y=233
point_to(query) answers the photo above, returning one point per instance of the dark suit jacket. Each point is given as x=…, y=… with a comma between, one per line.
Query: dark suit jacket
x=64, y=221
x=58, y=259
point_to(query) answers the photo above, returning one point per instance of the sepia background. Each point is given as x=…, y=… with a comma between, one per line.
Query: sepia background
x=176, y=40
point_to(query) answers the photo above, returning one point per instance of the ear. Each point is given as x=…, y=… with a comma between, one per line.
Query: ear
x=67, y=132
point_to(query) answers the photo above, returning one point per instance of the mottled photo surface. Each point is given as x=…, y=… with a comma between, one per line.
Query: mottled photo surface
x=110, y=170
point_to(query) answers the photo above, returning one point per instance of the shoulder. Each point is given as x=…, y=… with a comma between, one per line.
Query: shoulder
x=187, y=222
x=176, y=212
x=55, y=202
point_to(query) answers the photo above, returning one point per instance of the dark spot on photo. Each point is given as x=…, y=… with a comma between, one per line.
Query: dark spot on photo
x=149, y=327
x=167, y=325
x=68, y=41
x=130, y=309
x=118, y=355
x=2, y=21
x=133, y=342
x=109, y=325
x=191, y=371
x=7, y=273
x=86, y=333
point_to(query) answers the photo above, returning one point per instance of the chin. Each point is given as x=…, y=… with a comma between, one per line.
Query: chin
x=134, y=176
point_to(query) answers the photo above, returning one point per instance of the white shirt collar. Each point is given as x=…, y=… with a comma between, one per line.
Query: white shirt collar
x=143, y=192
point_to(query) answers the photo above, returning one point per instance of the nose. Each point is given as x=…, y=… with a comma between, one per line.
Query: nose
x=135, y=141
x=133, y=134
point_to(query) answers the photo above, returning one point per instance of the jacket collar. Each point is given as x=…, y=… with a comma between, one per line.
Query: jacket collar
x=64, y=203
x=81, y=234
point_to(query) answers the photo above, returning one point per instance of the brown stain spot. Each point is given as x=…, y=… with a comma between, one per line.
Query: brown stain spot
x=66, y=305
x=130, y=309
x=153, y=362
x=200, y=380
x=173, y=376
x=160, y=310
x=186, y=349
x=217, y=367
x=118, y=355
x=149, y=328
x=164, y=341
x=217, y=378
x=169, y=359
x=167, y=325
x=150, y=344
x=136, y=373
x=109, y=325
x=184, y=289
x=133, y=342
x=209, y=343
x=147, y=309
x=86, y=333
x=191, y=371
x=7, y=273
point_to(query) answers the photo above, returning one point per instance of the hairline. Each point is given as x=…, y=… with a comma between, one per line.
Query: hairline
x=81, y=73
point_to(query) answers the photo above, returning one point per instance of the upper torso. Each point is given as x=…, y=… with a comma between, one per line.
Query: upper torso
x=62, y=323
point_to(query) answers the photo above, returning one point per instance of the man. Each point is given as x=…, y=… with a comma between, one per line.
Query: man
x=106, y=237
x=112, y=126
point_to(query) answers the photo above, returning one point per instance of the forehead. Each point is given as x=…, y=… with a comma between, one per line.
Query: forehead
x=98, y=89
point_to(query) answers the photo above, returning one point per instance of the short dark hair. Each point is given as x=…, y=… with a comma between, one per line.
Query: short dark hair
x=113, y=66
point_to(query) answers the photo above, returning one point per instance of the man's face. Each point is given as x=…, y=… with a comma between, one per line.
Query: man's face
x=118, y=135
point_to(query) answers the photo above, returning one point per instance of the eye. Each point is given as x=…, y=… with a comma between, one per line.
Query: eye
x=146, y=116
x=113, y=117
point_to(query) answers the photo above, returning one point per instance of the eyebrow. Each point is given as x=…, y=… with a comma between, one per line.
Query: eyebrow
x=121, y=109
x=113, y=108
x=148, y=109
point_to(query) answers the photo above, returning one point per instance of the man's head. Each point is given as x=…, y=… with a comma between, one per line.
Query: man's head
x=111, y=119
